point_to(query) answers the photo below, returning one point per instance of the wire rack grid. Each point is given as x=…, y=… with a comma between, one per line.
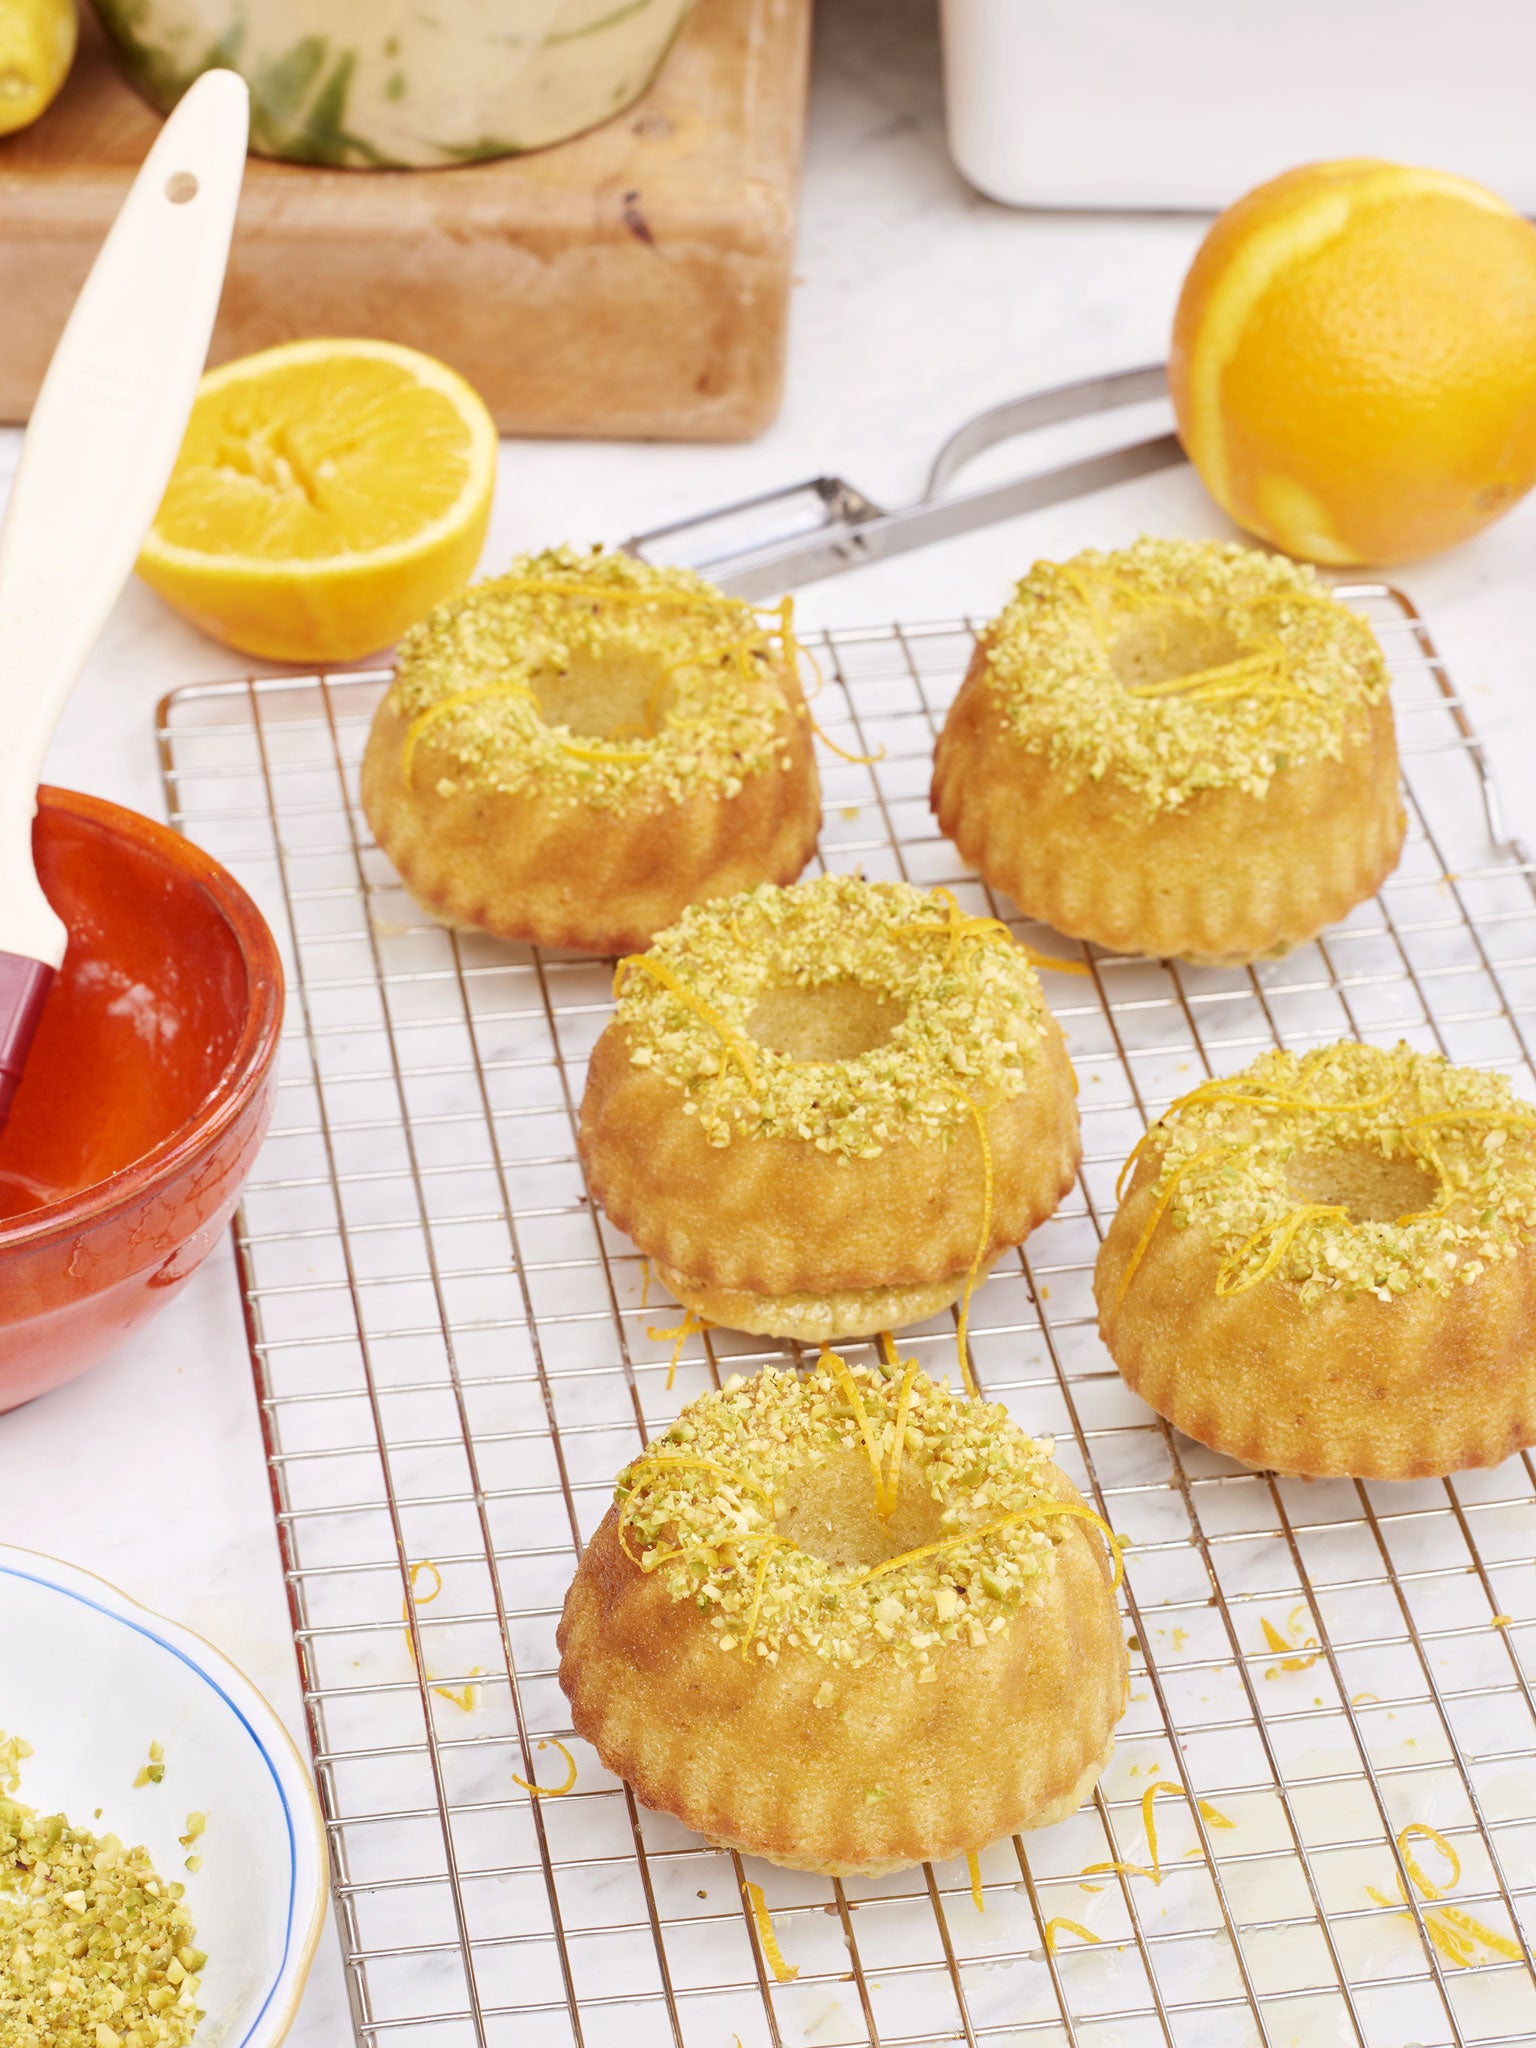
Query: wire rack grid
x=453, y=1355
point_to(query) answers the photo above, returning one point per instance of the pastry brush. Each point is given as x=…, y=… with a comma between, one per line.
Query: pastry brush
x=99, y=451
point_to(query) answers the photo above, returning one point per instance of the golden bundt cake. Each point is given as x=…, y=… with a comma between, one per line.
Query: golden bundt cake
x=1328, y=1265
x=821, y=1111
x=1181, y=749
x=849, y=1623
x=572, y=753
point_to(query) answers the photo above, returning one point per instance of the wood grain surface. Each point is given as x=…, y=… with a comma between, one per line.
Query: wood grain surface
x=633, y=282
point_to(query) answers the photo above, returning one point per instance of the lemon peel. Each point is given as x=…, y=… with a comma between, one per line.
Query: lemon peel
x=1284, y=1232
x=460, y=698
x=794, y=650
x=1148, y=1819
x=1160, y=1208
x=1210, y=1814
x=691, y=1326
x=830, y=1362
x=983, y=1243
x=465, y=1700
x=1437, y=1840
x=784, y=1973
x=1054, y=1929
x=958, y=926
x=1120, y=1869
x=1452, y=1931
x=550, y=1791
x=1043, y=1508
x=659, y=972
x=1228, y=1090
x=1295, y=1640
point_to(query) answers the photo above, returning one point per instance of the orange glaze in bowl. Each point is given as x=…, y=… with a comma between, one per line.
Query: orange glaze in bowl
x=146, y=1094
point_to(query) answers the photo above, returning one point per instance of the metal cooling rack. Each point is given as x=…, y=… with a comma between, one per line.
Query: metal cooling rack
x=452, y=1360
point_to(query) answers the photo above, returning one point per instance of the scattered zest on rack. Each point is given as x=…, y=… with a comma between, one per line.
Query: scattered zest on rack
x=1054, y=1929
x=551, y=1791
x=691, y=1326
x=1297, y=1639
x=782, y=1971
x=1454, y=1933
x=464, y=1700
x=1211, y=1815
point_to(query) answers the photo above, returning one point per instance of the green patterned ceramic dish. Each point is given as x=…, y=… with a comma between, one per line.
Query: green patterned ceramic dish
x=378, y=83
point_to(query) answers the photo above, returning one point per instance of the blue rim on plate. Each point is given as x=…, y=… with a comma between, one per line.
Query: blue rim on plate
x=225, y=1680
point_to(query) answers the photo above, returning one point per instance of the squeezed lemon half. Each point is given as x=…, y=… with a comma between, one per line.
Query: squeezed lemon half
x=327, y=495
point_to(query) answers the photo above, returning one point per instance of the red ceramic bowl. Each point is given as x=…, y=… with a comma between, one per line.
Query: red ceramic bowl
x=146, y=1095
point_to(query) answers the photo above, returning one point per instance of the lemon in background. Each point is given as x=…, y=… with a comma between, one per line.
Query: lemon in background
x=37, y=47
x=1354, y=361
x=327, y=495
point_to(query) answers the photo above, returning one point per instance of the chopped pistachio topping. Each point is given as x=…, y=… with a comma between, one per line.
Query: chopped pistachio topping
x=1282, y=673
x=971, y=1021
x=96, y=1949
x=13, y=1750
x=152, y=1773
x=698, y=677
x=1248, y=1160
x=708, y=1507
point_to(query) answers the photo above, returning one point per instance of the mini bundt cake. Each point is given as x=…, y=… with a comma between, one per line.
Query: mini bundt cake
x=822, y=1111
x=1180, y=749
x=1328, y=1265
x=572, y=753
x=849, y=1623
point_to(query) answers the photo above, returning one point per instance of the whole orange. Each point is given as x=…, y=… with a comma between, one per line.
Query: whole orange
x=1354, y=361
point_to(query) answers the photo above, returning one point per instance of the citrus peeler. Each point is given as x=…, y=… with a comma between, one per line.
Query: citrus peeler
x=782, y=539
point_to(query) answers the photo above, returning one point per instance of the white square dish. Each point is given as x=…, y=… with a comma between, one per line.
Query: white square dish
x=1115, y=103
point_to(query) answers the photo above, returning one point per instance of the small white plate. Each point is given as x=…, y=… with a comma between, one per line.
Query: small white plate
x=91, y=1679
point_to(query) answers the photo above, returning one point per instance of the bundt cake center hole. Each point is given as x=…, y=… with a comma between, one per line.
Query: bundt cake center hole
x=609, y=697
x=831, y=1513
x=1162, y=645
x=836, y=1020
x=1357, y=1178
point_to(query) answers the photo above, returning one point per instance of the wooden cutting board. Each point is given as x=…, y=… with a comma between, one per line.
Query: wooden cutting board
x=632, y=282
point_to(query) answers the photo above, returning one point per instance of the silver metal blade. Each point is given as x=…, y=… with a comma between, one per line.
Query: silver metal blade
x=785, y=565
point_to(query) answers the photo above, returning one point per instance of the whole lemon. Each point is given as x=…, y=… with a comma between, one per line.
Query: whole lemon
x=1354, y=361
x=37, y=47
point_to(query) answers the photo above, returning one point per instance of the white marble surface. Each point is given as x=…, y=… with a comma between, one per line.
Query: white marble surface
x=918, y=303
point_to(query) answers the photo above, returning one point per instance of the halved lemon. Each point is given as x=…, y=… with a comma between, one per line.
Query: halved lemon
x=327, y=495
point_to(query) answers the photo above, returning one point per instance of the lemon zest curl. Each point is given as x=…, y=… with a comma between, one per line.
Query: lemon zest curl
x=783, y=1972
x=551, y=1791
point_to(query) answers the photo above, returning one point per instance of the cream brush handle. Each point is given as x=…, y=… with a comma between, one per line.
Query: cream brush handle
x=103, y=439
